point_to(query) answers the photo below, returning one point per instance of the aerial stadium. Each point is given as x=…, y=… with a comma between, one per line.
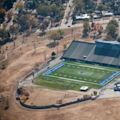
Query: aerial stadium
x=84, y=64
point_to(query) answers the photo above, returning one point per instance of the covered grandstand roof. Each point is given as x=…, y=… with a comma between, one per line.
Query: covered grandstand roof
x=107, y=42
x=95, y=53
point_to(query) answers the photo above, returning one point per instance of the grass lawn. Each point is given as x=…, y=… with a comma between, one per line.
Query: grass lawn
x=73, y=75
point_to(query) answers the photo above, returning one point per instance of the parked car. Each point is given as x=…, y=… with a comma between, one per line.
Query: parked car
x=96, y=16
x=82, y=17
x=116, y=88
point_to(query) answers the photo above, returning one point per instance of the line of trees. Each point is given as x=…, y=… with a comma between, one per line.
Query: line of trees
x=55, y=36
x=111, y=30
x=83, y=6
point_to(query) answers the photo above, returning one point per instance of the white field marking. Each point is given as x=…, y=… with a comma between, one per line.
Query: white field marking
x=69, y=79
x=90, y=67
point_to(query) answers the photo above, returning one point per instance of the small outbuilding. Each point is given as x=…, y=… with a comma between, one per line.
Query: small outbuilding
x=84, y=88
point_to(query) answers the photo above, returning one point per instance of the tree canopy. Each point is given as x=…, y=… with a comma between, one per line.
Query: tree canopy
x=112, y=29
x=84, y=5
x=86, y=28
x=57, y=35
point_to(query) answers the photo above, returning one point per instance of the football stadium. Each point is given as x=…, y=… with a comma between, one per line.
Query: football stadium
x=84, y=64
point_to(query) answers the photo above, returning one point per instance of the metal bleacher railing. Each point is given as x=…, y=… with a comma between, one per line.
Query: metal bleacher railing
x=54, y=69
x=109, y=79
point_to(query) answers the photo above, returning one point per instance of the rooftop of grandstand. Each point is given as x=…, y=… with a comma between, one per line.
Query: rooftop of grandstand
x=107, y=42
x=94, y=52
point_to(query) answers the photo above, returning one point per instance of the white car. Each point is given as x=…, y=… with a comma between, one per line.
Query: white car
x=106, y=13
x=82, y=17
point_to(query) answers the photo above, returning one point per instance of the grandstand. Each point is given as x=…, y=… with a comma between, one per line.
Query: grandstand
x=101, y=52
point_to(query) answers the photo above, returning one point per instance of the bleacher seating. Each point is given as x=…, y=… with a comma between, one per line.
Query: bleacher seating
x=54, y=69
x=102, y=52
x=109, y=79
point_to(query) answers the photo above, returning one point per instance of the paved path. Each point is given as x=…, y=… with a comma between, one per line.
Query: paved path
x=67, y=13
x=108, y=90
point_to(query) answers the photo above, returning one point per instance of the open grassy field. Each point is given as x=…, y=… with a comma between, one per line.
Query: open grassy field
x=73, y=75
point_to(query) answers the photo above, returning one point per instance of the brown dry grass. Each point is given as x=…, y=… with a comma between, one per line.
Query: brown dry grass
x=22, y=60
x=97, y=110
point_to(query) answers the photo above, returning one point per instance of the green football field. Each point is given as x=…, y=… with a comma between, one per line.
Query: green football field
x=73, y=75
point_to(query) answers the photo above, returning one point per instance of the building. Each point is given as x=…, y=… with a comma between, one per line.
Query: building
x=101, y=52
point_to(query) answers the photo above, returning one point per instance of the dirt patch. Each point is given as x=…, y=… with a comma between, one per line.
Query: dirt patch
x=42, y=96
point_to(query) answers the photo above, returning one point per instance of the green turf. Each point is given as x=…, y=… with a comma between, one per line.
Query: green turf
x=73, y=75
x=60, y=84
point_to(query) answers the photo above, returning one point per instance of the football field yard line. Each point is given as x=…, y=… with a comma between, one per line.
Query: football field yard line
x=91, y=67
x=74, y=80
